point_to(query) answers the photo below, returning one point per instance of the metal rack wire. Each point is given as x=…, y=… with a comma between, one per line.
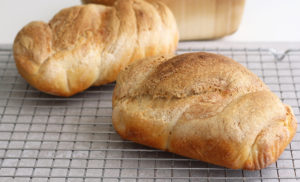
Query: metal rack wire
x=47, y=138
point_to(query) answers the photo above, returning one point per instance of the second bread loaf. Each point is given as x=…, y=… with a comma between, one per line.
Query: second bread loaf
x=204, y=106
x=88, y=45
x=201, y=19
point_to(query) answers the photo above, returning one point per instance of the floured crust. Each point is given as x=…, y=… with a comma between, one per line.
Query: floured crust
x=88, y=45
x=203, y=106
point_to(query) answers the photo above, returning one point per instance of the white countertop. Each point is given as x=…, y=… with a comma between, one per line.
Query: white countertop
x=263, y=21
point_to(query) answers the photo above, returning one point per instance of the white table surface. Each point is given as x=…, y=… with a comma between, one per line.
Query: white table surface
x=263, y=21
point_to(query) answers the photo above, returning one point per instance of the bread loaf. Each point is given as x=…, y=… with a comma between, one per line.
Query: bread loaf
x=201, y=19
x=88, y=45
x=203, y=106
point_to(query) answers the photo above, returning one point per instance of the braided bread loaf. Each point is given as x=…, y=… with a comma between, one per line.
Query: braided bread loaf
x=88, y=45
x=204, y=106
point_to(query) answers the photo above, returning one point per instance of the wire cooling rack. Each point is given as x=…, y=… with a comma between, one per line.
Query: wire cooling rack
x=47, y=138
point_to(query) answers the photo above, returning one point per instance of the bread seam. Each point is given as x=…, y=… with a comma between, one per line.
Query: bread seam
x=179, y=115
x=137, y=44
x=68, y=81
x=253, y=144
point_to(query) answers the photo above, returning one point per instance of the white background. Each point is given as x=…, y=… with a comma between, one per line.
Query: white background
x=263, y=21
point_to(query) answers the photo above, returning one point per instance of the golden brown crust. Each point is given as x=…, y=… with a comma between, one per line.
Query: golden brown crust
x=203, y=106
x=89, y=44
